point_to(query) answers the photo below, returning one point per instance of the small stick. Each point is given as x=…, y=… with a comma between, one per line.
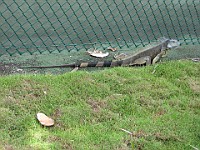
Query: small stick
x=154, y=69
x=195, y=148
x=126, y=131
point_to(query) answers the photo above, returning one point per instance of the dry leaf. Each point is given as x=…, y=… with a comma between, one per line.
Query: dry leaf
x=112, y=49
x=45, y=120
x=97, y=53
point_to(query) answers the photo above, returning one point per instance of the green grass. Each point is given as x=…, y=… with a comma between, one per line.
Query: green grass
x=162, y=109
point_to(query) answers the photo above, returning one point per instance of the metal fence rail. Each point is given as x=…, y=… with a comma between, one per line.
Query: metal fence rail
x=42, y=25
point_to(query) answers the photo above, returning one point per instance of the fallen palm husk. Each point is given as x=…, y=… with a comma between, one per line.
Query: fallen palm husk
x=97, y=53
x=44, y=120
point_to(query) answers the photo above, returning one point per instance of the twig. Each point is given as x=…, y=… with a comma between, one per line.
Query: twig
x=154, y=69
x=126, y=131
x=195, y=148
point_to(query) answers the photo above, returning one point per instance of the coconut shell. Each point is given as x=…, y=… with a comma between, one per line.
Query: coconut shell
x=44, y=120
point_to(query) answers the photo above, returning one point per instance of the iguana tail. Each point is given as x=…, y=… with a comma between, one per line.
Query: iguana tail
x=84, y=64
x=54, y=66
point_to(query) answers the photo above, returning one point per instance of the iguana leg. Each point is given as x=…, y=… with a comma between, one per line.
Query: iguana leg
x=157, y=58
x=141, y=61
x=120, y=56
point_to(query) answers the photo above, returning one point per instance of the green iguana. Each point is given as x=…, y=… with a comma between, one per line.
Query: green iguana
x=147, y=56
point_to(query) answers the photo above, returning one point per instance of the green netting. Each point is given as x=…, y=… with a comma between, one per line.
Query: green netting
x=57, y=25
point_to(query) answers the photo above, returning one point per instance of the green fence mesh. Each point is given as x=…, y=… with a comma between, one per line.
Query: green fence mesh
x=57, y=25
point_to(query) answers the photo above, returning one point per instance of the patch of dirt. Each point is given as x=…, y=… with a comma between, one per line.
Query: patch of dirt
x=195, y=104
x=28, y=90
x=34, y=89
x=10, y=99
x=56, y=115
x=160, y=112
x=174, y=103
x=164, y=138
x=9, y=68
x=8, y=147
x=135, y=138
x=65, y=145
x=96, y=105
x=194, y=85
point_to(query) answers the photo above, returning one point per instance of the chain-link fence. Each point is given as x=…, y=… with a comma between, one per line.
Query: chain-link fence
x=42, y=25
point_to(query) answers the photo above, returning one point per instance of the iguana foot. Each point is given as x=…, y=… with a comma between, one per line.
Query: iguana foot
x=75, y=69
x=120, y=56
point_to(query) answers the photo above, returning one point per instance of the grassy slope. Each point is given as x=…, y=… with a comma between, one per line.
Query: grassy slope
x=161, y=109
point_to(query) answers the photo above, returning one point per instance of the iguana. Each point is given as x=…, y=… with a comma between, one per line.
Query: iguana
x=147, y=56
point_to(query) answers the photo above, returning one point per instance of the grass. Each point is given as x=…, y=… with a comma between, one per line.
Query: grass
x=161, y=110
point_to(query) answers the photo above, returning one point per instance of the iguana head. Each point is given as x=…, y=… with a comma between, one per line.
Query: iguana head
x=173, y=43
